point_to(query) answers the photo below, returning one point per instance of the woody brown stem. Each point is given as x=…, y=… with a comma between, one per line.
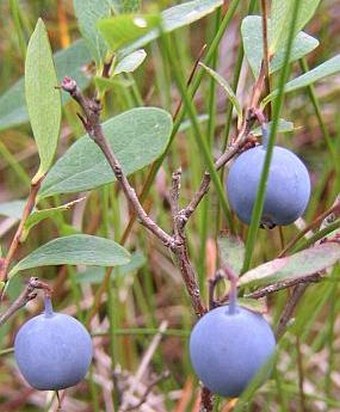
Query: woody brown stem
x=177, y=243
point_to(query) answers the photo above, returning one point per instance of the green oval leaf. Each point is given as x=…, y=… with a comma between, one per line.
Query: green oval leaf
x=300, y=264
x=281, y=19
x=138, y=137
x=325, y=69
x=123, y=29
x=187, y=13
x=70, y=60
x=251, y=30
x=75, y=250
x=172, y=19
x=42, y=97
x=95, y=274
x=88, y=12
x=284, y=126
x=130, y=63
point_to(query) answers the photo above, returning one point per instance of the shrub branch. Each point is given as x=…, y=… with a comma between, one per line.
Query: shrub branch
x=176, y=243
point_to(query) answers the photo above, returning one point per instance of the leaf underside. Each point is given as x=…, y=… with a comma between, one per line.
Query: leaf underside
x=304, y=263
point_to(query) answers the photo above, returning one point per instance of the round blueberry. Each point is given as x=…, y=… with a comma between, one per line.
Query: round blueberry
x=53, y=351
x=288, y=186
x=228, y=349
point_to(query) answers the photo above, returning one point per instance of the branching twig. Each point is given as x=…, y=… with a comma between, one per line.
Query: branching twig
x=174, y=198
x=155, y=165
x=240, y=142
x=27, y=295
x=177, y=243
x=181, y=250
x=203, y=189
x=91, y=122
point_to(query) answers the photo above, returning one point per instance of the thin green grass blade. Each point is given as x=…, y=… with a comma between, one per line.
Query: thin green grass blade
x=259, y=201
x=200, y=139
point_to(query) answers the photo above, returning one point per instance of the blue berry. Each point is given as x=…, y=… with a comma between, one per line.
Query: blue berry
x=53, y=350
x=227, y=348
x=288, y=186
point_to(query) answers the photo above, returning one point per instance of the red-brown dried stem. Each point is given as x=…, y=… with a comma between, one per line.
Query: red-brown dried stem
x=334, y=209
x=35, y=186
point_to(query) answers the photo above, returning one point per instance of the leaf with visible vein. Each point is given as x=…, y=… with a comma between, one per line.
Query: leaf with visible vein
x=88, y=12
x=75, y=250
x=124, y=29
x=172, y=18
x=325, y=69
x=251, y=30
x=284, y=126
x=138, y=137
x=42, y=97
x=281, y=19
